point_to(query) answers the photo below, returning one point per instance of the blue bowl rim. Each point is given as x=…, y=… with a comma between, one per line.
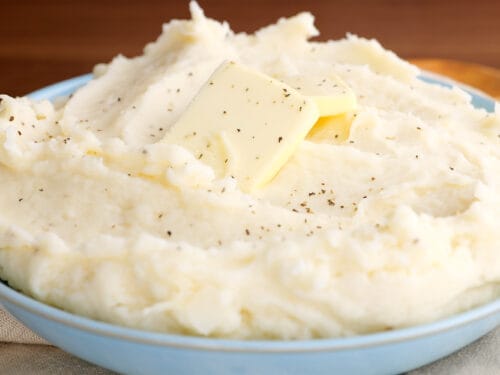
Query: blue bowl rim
x=57, y=315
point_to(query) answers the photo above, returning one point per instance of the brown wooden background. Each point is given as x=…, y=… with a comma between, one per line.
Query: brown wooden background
x=42, y=42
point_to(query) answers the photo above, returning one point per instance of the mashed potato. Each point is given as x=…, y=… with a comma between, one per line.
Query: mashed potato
x=391, y=224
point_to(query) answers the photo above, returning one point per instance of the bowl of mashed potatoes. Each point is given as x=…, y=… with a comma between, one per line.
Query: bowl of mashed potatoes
x=232, y=202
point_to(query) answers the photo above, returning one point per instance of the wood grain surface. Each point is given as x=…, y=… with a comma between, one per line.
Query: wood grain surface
x=43, y=41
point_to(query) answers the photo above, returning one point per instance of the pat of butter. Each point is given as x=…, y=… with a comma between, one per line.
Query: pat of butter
x=245, y=124
x=332, y=95
x=331, y=129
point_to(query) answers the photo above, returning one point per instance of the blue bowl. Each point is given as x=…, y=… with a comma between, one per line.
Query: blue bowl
x=139, y=352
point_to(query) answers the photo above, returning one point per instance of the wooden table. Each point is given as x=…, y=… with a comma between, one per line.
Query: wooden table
x=42, y=42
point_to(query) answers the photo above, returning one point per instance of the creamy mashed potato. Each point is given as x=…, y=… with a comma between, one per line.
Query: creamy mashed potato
x=392, y=223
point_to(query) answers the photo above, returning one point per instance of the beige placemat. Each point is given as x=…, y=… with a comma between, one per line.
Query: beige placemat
x=43, y=360
x=11, y=331
x=23, y=352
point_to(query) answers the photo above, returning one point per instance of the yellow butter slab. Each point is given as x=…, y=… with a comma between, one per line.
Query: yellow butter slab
x=331, y=129
x=245, y=124
x=331, y=94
